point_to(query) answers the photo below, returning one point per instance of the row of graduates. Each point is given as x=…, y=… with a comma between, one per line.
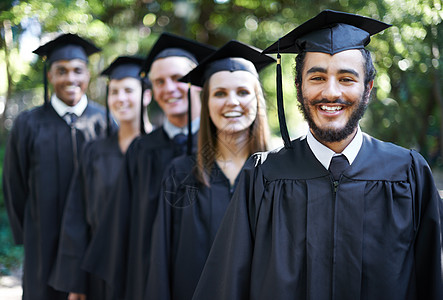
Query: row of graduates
x=151, y=224
x=88, y=228
x=187, y=197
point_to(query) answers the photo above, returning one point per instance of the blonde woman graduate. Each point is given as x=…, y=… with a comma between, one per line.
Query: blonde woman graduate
x=128, y=222
x=196, y=189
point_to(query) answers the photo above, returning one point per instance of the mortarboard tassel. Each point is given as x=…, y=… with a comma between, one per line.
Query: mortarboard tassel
x=280, y=107
x=189, y=146
x=45, y=82
x=108, y=117
x=142, y=123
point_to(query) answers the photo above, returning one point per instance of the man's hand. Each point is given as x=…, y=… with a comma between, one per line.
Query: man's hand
x=75, y=296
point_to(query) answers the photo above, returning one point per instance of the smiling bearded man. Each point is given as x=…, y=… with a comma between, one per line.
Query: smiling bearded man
x=335, y=214
x=330, y=134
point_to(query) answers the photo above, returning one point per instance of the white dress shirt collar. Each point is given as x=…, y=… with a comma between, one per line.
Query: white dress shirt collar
x=324, y=154
x=62, y=109
x=172, y=130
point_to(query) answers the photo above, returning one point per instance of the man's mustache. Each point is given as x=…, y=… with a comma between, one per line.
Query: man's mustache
x=326, y=101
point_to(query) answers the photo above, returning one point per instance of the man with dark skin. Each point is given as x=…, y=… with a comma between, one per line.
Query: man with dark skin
x=41, y=155
x=336, y=214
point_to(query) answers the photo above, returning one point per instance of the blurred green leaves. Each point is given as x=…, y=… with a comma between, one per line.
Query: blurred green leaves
x=407, y=55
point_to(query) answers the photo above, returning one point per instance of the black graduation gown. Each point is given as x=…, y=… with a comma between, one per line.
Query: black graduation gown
x=288, y=235
x=88, y=195
x=39, y=163
x=188, y=218
x=119, y=251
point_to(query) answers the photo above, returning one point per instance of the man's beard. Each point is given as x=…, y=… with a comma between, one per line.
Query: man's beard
x=331, y=135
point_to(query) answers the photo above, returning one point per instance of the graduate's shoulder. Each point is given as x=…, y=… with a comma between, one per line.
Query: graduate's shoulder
x=281, y=154
x=30, y=117
x=94, y=107
x=390, y=154
x=182, y=170
x=387, y=150
x=296, y=162
x=102, y=144
x=156, y=139
x=398, y=154
x=183, y=162
x=33, y=112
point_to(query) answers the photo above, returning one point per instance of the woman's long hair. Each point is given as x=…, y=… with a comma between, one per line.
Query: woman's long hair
x=207, y=137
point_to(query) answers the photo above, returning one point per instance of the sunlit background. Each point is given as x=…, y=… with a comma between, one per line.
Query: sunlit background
x=407, y=100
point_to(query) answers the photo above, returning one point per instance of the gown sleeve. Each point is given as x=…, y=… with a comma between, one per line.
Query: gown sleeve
x=158, y=283
x=106, y=253
x=15, y=176
x=428, y=239
x=66, y=274
x=226, y=274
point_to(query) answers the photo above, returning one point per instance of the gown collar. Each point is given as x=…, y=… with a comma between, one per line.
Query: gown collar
x=172, y=130
x=62, y=109
x=324, y=154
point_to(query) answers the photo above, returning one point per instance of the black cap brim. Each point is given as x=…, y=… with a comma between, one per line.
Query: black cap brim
x=173, y=45
x=229, y=57
x=124, y=66
x=320, y=34
x=67, y=47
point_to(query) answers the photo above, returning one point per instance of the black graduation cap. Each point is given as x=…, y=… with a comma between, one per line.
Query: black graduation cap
x=328, y=32
x=172, y=45
x=233, y=56
x=169, y=45
x=123, y=67
x=65, y=47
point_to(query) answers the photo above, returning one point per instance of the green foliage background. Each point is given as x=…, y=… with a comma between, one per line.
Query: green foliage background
x=407, y=100
x=10, y=255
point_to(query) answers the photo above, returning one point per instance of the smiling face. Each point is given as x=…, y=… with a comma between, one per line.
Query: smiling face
x=70, y=79
x=171, y=94
x=124, y=99
x=232, y=100
x=333, y=96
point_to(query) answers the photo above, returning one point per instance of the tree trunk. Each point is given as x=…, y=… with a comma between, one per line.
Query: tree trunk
x=8, y=45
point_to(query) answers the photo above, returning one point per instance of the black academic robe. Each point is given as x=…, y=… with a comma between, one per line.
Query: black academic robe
x=288, y=234
x=119, y=251
x=188, y=218
x=39, y=163
x=89, y=194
